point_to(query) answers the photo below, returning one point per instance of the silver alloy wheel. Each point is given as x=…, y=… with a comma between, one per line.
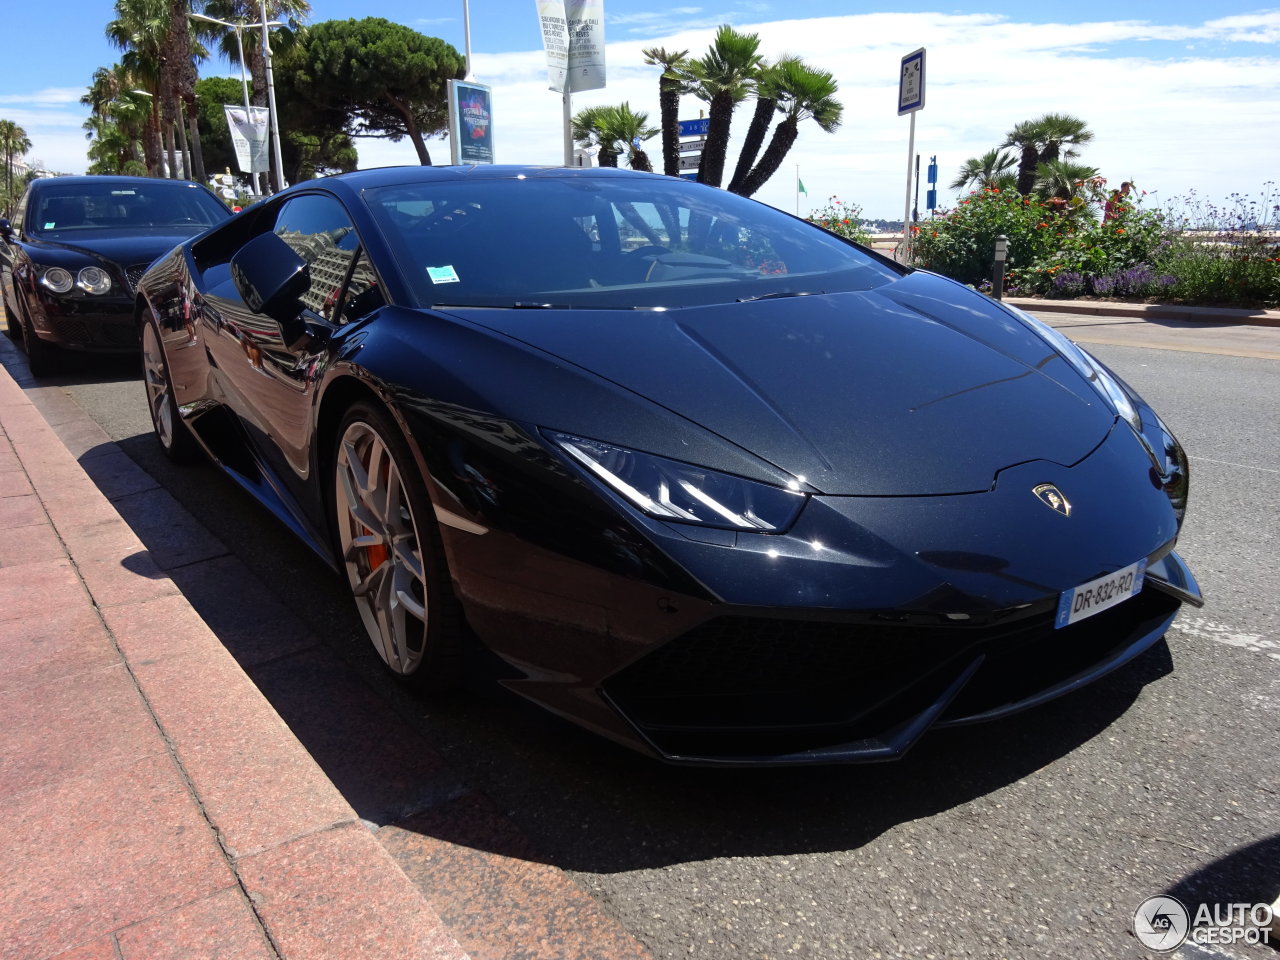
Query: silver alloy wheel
x=378, y=535
x=156, y=379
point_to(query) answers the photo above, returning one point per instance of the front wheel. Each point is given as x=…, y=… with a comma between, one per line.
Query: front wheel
x=174, y=439
x=391, y=552
x=42, y=358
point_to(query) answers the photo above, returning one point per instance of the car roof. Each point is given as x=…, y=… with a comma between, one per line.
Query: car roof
x=98, y=179
x=386, y=176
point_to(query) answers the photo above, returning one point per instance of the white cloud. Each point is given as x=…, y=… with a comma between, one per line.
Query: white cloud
x=1170, y=124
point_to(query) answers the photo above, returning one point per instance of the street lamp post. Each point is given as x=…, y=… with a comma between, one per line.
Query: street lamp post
x=278, y=166
x=238, y=27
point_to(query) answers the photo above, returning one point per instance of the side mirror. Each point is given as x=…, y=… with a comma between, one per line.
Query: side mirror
x=270, y=277
x=6, y=229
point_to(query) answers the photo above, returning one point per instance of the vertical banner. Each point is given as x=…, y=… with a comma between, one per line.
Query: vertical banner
x=470, y=122
x=573, y=37
x=249, y=137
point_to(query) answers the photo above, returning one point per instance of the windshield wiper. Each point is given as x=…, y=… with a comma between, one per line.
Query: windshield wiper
x=779, y=295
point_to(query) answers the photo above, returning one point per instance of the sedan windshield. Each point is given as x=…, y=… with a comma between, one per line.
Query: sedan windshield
x=606, y=242
x=77, y=208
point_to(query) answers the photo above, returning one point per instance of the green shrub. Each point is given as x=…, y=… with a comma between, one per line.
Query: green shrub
x=844, y=219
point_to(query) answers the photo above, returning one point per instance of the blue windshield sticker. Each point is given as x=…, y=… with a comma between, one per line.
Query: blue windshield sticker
x=444, y=274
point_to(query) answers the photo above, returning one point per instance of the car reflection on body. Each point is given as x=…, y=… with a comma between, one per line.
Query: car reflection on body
x=711, y=481
x=77, y=247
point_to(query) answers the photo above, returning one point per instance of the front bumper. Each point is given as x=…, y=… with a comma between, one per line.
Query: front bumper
x=97, y=325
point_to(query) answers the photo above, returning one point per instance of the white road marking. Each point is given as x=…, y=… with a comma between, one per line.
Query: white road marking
x=1242, y=466
x=1203, y=628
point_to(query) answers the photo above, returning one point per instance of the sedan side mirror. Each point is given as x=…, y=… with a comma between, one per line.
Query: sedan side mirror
x=6, y=229
x=270, y=277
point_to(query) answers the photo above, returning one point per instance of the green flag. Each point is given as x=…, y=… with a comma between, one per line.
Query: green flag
x=800, y=187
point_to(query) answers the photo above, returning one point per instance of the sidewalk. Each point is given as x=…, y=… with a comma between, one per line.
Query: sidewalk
x=1150, y=311
x=152, y=804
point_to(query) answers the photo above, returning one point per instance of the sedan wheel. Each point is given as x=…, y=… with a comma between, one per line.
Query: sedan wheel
x=174, y=439
x=391, y=551
x=41, y=357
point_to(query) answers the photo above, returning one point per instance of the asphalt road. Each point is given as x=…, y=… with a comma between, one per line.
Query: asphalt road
x=1035, y=836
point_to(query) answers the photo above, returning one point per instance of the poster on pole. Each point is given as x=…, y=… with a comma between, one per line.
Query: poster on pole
x=248, y=136
x=470, y=122
x=573, y=37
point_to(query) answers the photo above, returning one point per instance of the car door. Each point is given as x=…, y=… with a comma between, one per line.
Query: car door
x=269, y=370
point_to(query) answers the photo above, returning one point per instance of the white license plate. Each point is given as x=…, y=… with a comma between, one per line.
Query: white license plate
x=1101, y=594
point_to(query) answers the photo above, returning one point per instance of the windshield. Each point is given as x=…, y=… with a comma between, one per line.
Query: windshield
x=148, y=207
x=606, y=242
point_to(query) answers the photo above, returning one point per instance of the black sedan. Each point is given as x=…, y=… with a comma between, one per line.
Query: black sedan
x=77, y=247
x=711, y=481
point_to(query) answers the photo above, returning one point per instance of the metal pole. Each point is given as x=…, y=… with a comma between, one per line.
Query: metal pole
x=466, y=35
x=278, y=173
x=905, y=256
x=244, y=77
x=568, y=125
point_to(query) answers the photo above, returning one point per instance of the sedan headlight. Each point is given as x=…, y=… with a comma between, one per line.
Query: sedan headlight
x=1089, y=368
x=57, y=280
x=93, y=280
x=684, y=493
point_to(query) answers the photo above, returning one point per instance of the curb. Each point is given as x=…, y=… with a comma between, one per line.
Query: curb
x=1150, y=311
x=151, y=793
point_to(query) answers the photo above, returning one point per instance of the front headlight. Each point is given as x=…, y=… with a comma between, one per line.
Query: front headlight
x=57, y=280
x=1088, y=367
x=684, y=493
x=93, y=280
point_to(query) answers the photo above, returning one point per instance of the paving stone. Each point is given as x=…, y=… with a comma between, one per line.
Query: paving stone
x=29, y=545
x=72, y=726
x=339, y=894
x=173, y=536
x=131, y=579
x=30, y=589
x=58, y=642
x=13, y=481
x=116, y=475
x=93, y=854
x=21, y=511
x=97, y=950
x=222, y=926
x=257, y=784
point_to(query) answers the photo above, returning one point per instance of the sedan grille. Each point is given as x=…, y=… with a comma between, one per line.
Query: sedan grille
x=134, y=274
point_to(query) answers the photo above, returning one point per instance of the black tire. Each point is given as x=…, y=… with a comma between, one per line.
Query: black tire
x=11, y=328
x=394, y=565
x=171, y=433
x=42, y=358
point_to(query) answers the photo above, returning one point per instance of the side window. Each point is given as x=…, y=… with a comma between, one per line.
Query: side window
x=363, y=293
x=318, y=228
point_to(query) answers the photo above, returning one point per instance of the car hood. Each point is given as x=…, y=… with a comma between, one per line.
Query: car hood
x=124, y=249
x=920, y=387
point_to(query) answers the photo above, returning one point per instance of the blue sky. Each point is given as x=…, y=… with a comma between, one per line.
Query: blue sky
x=1181, y=95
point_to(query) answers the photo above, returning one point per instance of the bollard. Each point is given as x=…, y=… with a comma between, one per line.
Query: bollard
x=997, y=275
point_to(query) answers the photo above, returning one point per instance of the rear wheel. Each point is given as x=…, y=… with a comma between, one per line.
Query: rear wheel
x=391, y=552
x=174, y=439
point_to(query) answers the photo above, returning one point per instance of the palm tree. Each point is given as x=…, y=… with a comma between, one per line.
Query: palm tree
x=14, y=142
x=139, y=30
x=1064, y=179
x=1047, y=138
x=1026, y=137
x=723, y=77
x=993, y=169
x=767, y=93
x=110, y=86
x=590, y=128
x=1060, y=134
x=179, y=71
x=622, y=125
x=673, y=82
x=116, y=129
x=803, y=93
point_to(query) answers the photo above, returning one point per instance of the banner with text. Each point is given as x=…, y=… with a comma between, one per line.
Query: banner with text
x=249, y=137
x=573, y=36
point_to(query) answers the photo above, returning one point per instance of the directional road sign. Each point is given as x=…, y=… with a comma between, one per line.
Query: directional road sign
x=695, y=128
